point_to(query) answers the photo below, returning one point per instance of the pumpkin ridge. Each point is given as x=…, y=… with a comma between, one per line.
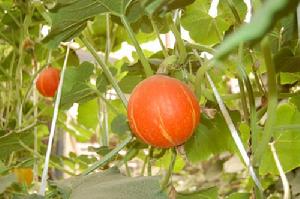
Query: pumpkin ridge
x=42, y=87
x=135, y=126
x=164, y=132
x=191, y=104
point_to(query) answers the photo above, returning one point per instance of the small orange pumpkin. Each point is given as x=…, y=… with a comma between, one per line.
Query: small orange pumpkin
x=47, y=81
x=24, y=175
x=163, y=112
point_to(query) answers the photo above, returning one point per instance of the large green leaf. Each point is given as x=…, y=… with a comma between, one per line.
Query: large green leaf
x=111, y=184
x=211, y=137
x=205, y=29
x=119, y=125
x=11, y=142
x=238, y=196
x=6, y=181
x=210, y=193
x=69, y=17
x=286, y=61
x=287, y=142
x=88, y=114
x=263, y=20
x=75, y=88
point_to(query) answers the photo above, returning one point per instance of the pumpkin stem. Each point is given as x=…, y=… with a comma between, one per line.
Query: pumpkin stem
x=168, y=63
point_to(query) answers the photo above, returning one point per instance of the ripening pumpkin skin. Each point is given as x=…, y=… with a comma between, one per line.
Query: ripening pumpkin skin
x=24, y=175
x=163, y=112
x=47, y=81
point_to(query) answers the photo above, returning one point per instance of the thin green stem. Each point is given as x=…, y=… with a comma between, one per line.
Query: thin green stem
x=287, y=127
x=145, y=63
x=55, y=165
x=105, y=69
x=155, y=28
x=219, y=34
x=53, y=125
x=127, y=169
x=272, y=101
x=200, y=47
x=243, y=99
x=144, y=165
x=200, y=75
x=10, y=92
x=108, y=39
x=234, y=11
x=166, y=179
x=179, y=41
x=108, y=156
x=149, y=168
x=253, y=114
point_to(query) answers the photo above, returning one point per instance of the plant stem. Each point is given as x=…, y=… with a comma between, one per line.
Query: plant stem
x=243, y=99
x=108, y=40
x=272, y=101
x=166, y=179
x=149, y=170
x=10, y=92
x=53, y=125
x=105, y=69
x=287, y=127
x=144, y=165
x=234, y=11
x=155, y=28
x=108, y=156
x=179, y=41
x=235, y=134
x=200, y=47
x=145, y=63
x=284, y=180
x=55, y=165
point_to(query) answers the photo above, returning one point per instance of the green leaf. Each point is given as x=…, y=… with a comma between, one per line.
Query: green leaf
x=102, y=83
x=239, y=196
x=34, y=196
x=201, y=26
x=128, y=83
x=211, y=137
x=6, y=181
x=10, y=143
x=119, y=125
x=205, y=29
x=88, y=114
x=286, y=61
x=165, y=162
x=3, y=168
x=75, y=88
x=287, y=142
x=202, y=194
x=111, y=184
x=263, y=20
x=289, y=78
x=70, y=17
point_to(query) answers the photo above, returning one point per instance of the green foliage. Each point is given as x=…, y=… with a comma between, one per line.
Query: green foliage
x=76, y=86
x=210, y=138
x=205, y=29
x=259, y=25
x=286, y=140
x=11, y=143
x=6, y=181
x=88, y=114
x=110, y=184
x=206, y=193
x=101, y=90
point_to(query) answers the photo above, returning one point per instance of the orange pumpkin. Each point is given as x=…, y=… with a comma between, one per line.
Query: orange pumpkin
x=24, y=175
x=163, y=112
x=47, y=81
